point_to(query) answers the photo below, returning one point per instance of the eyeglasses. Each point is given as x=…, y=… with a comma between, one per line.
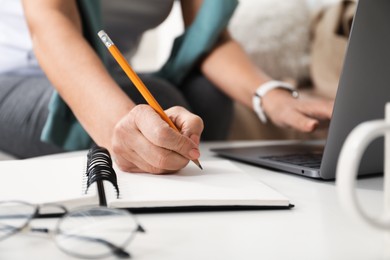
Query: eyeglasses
x=93, y=232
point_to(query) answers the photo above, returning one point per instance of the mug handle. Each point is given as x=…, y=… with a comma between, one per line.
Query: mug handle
x=348, y=166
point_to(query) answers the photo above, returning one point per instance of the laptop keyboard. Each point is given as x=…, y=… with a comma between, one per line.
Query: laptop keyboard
x=310, y=160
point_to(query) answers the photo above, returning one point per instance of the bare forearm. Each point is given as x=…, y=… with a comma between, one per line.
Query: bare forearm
x=231, y=70
x=76, y=71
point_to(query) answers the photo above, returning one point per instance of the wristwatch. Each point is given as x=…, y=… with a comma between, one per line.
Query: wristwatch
x=264, y=89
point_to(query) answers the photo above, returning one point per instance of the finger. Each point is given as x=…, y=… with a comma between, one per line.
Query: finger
x=126, y=158
x=127, y=165
x=156, y=159
x=131, y=162
x=316, y=109
x=159, y=133
x=300, y=121
x=189, y=124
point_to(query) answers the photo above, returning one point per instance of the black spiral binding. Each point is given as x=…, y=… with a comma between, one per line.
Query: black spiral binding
x=99, y=169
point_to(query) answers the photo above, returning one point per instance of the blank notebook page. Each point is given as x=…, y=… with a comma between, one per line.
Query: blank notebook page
x=220, y=183
x=44, y=180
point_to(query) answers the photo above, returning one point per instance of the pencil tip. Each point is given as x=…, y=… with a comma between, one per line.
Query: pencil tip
x=199, y=165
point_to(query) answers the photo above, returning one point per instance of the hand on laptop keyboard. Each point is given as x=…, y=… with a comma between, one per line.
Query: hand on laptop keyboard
x=303, y=114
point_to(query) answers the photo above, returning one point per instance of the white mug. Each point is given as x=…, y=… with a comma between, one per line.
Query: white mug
x=348, y=165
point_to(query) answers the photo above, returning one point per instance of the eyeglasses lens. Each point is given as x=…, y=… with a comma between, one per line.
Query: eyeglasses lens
x=96, y=232
x=14, y=216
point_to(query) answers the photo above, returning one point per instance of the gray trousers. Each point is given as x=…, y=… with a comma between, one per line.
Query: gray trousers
x=24, y=108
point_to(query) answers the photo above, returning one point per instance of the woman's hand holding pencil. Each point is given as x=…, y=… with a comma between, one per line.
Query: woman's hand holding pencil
x=149, y=139
x=143, y=142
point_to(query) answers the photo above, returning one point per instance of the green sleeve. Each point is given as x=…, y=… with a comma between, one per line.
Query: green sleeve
x=198, y=39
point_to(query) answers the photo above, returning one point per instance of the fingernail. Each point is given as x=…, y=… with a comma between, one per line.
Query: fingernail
x=311, y=126
x=194, y=153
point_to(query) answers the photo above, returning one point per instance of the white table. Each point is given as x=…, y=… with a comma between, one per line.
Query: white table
x=316, y=228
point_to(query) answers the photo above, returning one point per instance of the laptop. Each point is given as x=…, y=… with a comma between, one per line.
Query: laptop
x=364, y=88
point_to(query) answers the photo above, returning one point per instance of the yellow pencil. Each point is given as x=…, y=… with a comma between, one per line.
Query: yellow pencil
x=137, y=81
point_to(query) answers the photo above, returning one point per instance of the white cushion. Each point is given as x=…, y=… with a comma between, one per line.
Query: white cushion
x=275, y=34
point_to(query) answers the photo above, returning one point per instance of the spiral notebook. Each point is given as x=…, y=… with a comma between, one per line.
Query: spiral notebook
x=221, y=185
